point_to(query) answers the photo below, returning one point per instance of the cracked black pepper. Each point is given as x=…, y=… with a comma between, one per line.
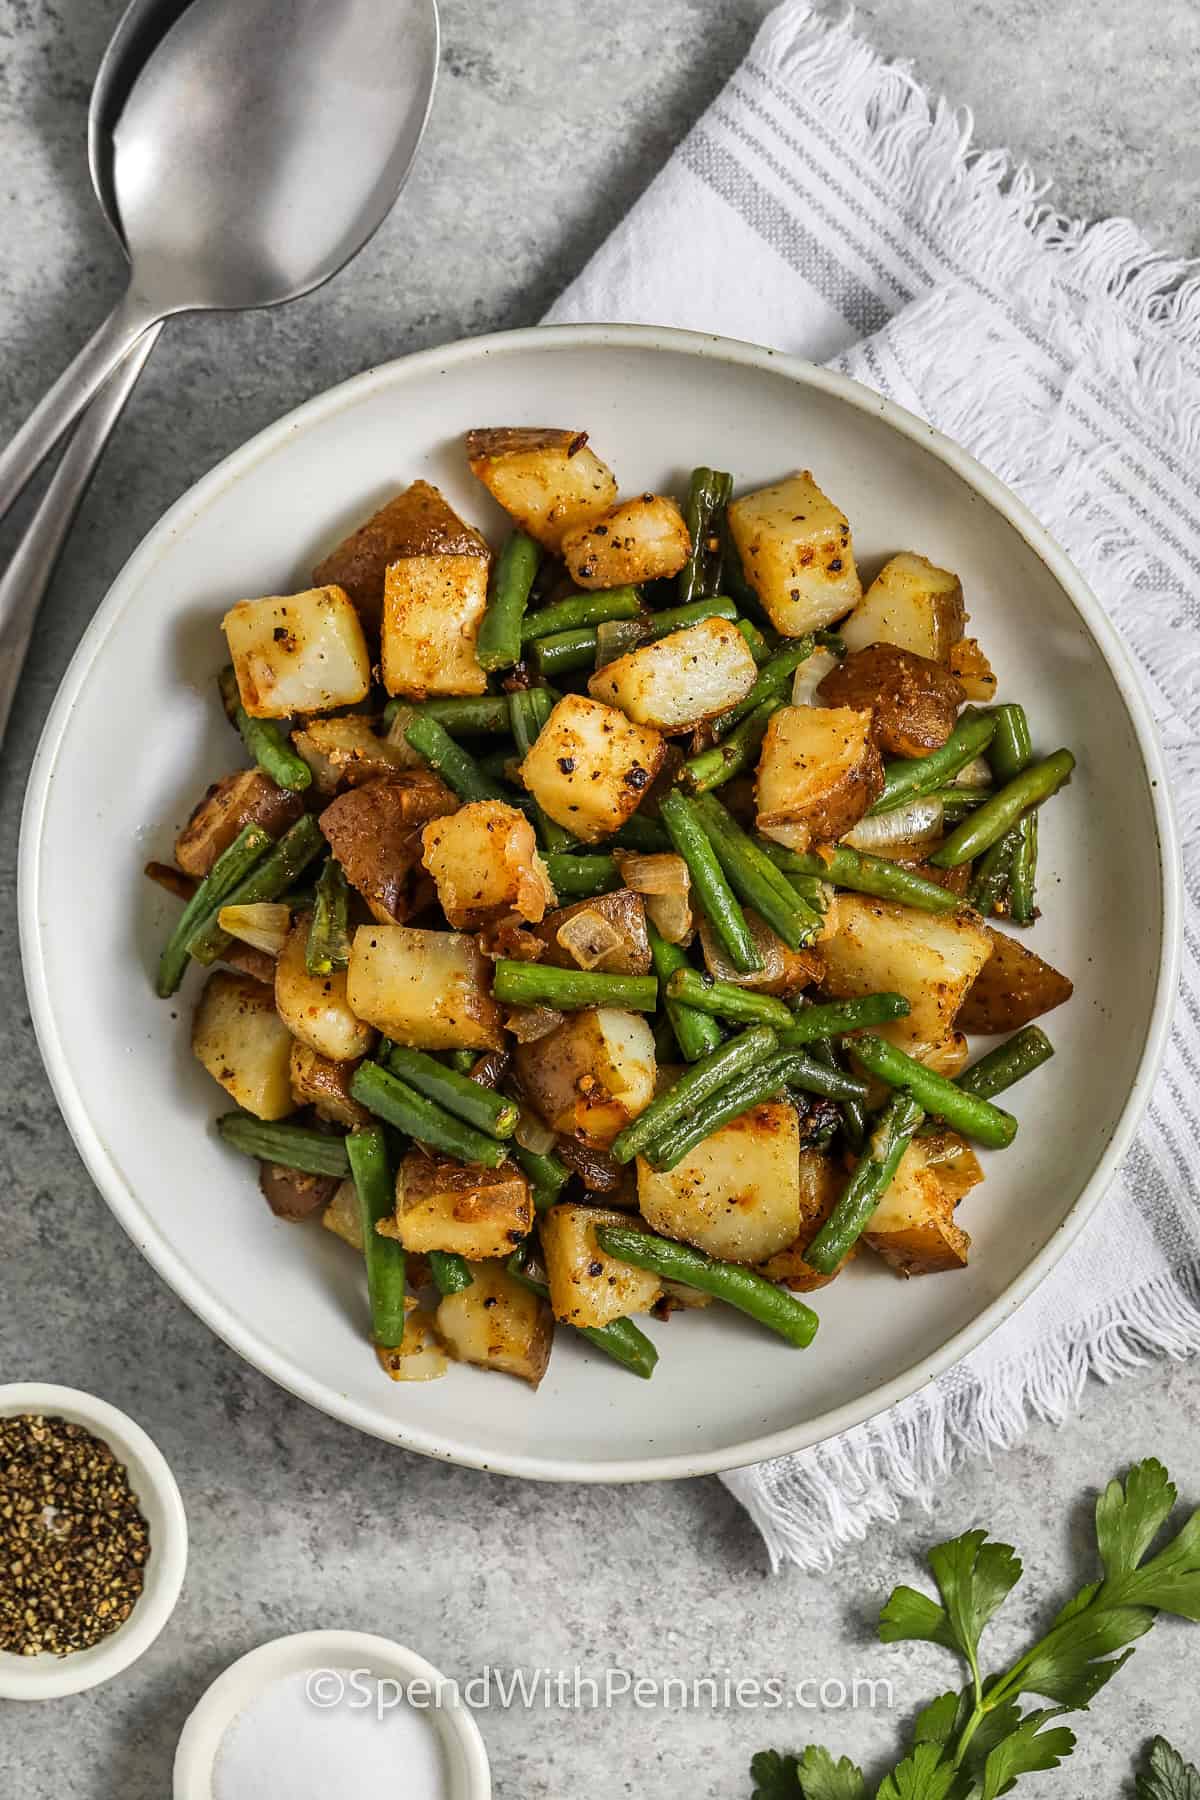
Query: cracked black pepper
x=73, y=1541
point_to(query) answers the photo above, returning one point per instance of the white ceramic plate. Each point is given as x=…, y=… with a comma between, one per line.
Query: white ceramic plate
x=136, y=732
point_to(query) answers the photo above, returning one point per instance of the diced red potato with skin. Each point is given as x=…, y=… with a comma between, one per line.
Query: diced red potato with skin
x=434, y=595
x=930, y=958
x=607, y=934
x=443, y=1205
x=590, y=766
x=1013, y=987
x=913, y=1227
x=298, y=653
x=293, y=1194
x=373, y=832
x=430, y=990
x=315, y=1008
x=821, y=1183
x=587, y=1286
x=638, y=540
x=547, y=480
x=592, y=1074
x=911, y=603
x=796, y=553
x=913, y=701
x=323, y=1084
x=497, y=1323
x=682, y=679
x=347, y=752
x=359, y=564
x=818, y=772
x=247, y=797
x=736, y=1195
x=484, y=859
x=244, y=1044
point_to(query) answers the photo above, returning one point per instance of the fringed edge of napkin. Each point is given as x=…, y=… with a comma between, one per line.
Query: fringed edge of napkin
x=812, y=1505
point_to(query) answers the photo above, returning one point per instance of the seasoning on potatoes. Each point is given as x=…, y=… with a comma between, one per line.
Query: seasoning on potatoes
x=913, y=700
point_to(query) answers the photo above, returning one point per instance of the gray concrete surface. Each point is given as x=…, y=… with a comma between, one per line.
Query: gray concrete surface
x=550, y=120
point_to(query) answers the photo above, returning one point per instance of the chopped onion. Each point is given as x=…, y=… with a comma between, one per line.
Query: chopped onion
x=977, y=774
x=616, y=637
x=810, y=675
x=663, y=881
x=534, y=1134
x=529, y=1023
x=588, y=937
x=264, y=925
x=916, y=822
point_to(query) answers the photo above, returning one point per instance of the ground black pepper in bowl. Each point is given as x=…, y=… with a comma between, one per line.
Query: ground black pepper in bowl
x=73, y=1541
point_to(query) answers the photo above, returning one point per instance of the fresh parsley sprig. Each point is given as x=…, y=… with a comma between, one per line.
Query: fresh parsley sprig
x=974, y=1743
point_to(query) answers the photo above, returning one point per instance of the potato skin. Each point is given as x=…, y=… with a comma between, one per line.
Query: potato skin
x=913, y=1226
x=930, y=958
x=912, y=603
x=442, y=1205
x=819, y=771
x=247, y=797
x=359, y=563
x=323, y=1084
x=547, y=479
x=624, y=911
x=346, y=752
x=913, y=701
x=1013, y=988
x=374, y=831
x=291, y=1194
x=592, y=1074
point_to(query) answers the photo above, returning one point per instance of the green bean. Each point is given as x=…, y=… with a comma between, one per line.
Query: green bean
x=620, y=1338
x=582, y=610
x=565, y=652
x=725, y=1000
x=863, y=873
x=703, y=1079
x=546, y=1173
x=774, y=1307
x=708, y=494
x=577, y=877
x=733, y=576
x=893, y=1132
x=498, y=645
x=542, y=984
x=1009, y=752
x=756, y=641
x=680, y=618
x=468, y=1100
x=461, y=1061
x=908, y=778
x=957, y=802
x=265, y=739
x=754, y=877
x=270, y=877
x=723, y=761
x=751, y=1088
x=809, y=1024
x=231, y=867
x=993, y=875
x=642, y=833
x=696, y=1034
x=456, y=766
x=619, y=637
x=1023, y=906
x=713, y=891
x=480, y=714
x=529, y=708
x=328, y=945
x=1011, y=748
x=772, y=684
x=974, y=1117
x=449, y=1272
x=995, y=816
x=1007, y=1064
x=375, y=1186
x=854, y=1112
x=293, y=1146
x=400, y=1105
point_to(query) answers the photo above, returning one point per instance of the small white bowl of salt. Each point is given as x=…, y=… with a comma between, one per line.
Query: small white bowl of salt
x=331, y=1712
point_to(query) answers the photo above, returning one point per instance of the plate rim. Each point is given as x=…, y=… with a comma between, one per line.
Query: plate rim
x=123, y=1202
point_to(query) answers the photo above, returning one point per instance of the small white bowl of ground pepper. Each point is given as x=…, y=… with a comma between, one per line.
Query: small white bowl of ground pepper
x=93, y=1541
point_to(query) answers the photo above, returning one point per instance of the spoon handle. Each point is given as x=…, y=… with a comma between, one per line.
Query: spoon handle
x=25, y=580
x=62, y=404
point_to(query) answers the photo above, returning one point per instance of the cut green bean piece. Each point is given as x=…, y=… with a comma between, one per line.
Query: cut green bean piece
x=1023, y=879
x=456, y=766
x=713, y=891
x=710, y=768
x=680, y=618
x=546, y=1173
x=893, y=1132
x=751, y=1088
x=695, y=1085
x=908, y=778
x=1007, y=1064
x=399, y=1104
x=498, y=645
x=230, y=869
x=772, y=1306
x=468, y=1100
x=328, y=946
x=375, y=1186
x=565, y=652
x=709, y=492
x=774, y=679
x=461, y=1061
x=754, y=877
x=966, y=1112
x=580, y=610
x=265, y=739
x=642, y=833
x=293, y=1146
x=529, y=708
x=1011, y=748
x=620, y=1338
x=449, y=1272
x=474, y=714
x=271, y=876
x=725, y=1000
x=541, y=984
x=756, y=641
x=990, y=883
x=696, y=1033
x=809, y=1024
x=978, y=833
x=578, y=877
x=854, y=1112
x=863, y=873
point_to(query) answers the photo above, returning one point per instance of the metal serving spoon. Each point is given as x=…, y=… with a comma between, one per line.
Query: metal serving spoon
x=260, y=146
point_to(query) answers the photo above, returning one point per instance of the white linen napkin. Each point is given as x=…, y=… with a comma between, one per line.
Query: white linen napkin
x=824, y=206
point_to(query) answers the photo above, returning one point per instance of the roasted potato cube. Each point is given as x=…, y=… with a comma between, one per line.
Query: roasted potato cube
x=783, y=971
x=590, y=766
x=314, y=1007
x=374, y=831
x=498, y=1323
x=291, y=1193
x=821, y=1184
x=913, y=1226
x=298, y=653
x=911, y=603
x=971, y=669
x=405, y=526
x=639, y=540
x=244, y=1044
x=818, y=773
x=796, y=554
x=913, y=701
x=420, y=1354
x=592, y=1074
x=323, y=1084
x=1013, y=987
x=930, y=958
x=428, y=989
x=685, y=677
x=607, y=933
x=348, y=752
x=343, y=1216
x=547, y=480
x=443, y=1205
x=484, y=858
x=247, y=797
x=588, y=1287
x=434, y=595
x=737, y=1194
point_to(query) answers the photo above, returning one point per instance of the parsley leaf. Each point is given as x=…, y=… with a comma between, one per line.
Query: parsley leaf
x=910, y=1614
x=823, y=1779
x=1068, y=1665
x=936, y=1723
x=1166, y=1775
x=1024, y=1751
x=974, y=1577
x=923, y=1775
x=775, y=1775
x=1129, y=1518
